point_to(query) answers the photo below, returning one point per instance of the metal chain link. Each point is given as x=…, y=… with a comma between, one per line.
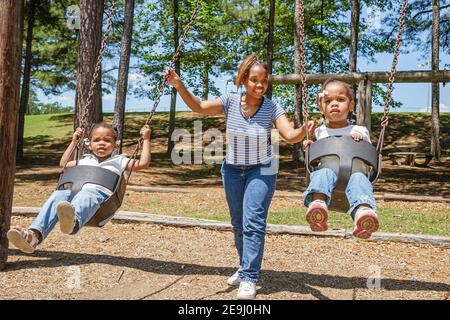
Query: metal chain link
x=164, y=80
x=84, y=124
x=301, y=40
x=387, y=106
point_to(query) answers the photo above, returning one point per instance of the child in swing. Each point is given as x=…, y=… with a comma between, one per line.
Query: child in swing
x=336, y=104
x=72, y=216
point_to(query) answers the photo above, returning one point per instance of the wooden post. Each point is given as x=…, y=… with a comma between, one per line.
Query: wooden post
x=360, y=107
x=435, y=143
x=10, y=66
x=368, y=105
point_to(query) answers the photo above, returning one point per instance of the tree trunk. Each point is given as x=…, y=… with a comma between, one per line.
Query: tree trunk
x=91, y=16
x=25, y=92
x=173, y=97
x=435, y=143
x=124, y=65
x=270, y=43
x=297, y=154
x=354, y=36
x=206, y=68
x=354, y=29
x=11, y=24
x=322, y=56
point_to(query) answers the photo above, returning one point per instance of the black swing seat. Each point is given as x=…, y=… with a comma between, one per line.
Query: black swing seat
x=346, y=149
x=74, y=178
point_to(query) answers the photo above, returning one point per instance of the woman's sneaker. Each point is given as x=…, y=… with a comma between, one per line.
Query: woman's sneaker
x=366, y=223
x=317, y=215
x=234, y=280
x=246, y=291
x=23, y=239
x=66, y=216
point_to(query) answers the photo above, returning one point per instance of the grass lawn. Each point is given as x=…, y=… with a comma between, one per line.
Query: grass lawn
x=49, y=135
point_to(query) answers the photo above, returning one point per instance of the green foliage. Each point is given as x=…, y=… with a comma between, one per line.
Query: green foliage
x=54, y=48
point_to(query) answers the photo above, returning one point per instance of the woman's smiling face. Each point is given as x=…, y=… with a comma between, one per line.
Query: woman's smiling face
x=257, y=81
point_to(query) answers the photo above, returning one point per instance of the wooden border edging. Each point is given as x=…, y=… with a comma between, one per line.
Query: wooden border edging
x=136, y=217
x=378, y=196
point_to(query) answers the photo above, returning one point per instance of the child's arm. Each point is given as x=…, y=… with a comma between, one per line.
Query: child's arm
x=360, y=133
x=290, y=134
x=208, y=107
x=69, y=155
x=144, y=160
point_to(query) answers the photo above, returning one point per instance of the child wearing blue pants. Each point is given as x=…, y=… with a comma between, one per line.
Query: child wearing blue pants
x=72, y=216
x=335, y=104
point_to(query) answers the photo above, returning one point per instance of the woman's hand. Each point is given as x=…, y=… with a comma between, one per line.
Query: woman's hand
x=77, y=134
x=145, y=132
x=311, y=127
x=172, y=78
x=357, y=136
x=306, y=143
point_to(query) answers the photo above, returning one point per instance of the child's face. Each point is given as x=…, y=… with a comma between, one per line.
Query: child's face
x=102, y=143
x=257, y=82
x=336, y=105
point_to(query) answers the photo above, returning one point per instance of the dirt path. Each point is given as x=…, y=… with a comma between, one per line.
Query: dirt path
x=147, y=261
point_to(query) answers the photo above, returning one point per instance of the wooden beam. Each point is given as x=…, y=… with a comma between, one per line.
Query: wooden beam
x=374, y=77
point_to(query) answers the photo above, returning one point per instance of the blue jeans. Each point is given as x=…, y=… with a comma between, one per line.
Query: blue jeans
x=249, y=191
x=86, y=202
x=359, y=189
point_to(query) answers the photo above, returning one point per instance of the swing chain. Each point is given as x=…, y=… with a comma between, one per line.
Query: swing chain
x=301, y=40
x=164, y=80
x=174, y=60
x=385, y=118
x=85, y=107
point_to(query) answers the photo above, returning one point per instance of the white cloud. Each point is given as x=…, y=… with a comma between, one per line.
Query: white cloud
x=109, y=97
x=442, y=108
x=135, y=77
x=65, y=99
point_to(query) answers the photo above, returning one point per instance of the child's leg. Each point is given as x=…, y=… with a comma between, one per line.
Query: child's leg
x=320, y=187
x=85, y=204
x=47, y=218
x=317, y=198
x=27, y=239
x=359, y=193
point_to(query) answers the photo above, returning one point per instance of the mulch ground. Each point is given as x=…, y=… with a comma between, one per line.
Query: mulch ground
x=148, y=261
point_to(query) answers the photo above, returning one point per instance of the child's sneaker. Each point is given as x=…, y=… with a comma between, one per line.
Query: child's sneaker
x=317, y=215
x=66, y=216
x=24, y=239
x=246, y=291
x=234, y=280
x=366, y=223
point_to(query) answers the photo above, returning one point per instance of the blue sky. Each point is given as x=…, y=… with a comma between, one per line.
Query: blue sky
x=416, y=97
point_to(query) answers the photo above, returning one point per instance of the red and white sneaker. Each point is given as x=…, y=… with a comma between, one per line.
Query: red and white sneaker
x=23, y=239
x=317, y=216
x=366, y=223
